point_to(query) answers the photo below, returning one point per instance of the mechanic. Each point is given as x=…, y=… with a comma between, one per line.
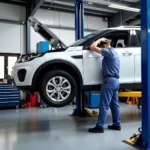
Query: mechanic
x=110, y=86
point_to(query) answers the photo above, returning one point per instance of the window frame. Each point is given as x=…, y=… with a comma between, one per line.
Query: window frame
x=6, y=55
x=120, y=31
x=130, y=44
x=139, y=43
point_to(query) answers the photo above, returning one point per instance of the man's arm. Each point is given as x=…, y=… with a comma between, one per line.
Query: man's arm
x=94, y=46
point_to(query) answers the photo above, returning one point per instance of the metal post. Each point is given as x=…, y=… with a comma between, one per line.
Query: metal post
x=79, y=19
x=79, y=33
x=143, y=141
x=82, y=18
x=28, y=38
x=145, y=36
x=76, y=20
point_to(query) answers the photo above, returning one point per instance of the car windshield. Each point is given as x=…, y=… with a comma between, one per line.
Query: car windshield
x=82, y=40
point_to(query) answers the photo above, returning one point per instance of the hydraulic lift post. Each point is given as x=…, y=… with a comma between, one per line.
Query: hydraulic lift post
x=145, y=52
x=79, y=33
x=143, y=141
x=79, y=19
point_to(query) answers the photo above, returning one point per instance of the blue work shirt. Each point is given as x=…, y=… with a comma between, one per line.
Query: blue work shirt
x=111, y=62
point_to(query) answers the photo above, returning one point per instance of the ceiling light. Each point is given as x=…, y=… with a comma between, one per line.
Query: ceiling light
x=122, y=7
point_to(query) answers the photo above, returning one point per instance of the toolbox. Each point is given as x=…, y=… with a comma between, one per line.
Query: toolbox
x=9, y=95
x=92, y=99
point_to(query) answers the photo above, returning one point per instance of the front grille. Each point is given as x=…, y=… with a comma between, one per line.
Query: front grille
x=21, y=75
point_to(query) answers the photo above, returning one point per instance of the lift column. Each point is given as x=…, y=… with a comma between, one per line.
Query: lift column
x=79, y=19
x=79, y=33
x=145, y=52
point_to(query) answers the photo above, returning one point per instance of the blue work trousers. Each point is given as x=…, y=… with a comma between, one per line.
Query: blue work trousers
x=109, y=99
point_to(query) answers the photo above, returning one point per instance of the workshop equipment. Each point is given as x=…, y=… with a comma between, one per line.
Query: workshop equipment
x=130, y=94
x=132, y=97
x=33, y=99
x=9, y=96
x=136, y=141
x=42, y=46
x=80, y=110
x=92, y=99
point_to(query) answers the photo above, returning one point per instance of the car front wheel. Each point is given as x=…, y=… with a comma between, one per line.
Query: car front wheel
x=58, y=88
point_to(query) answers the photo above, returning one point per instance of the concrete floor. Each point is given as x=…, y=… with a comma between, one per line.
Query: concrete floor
x=53, y=129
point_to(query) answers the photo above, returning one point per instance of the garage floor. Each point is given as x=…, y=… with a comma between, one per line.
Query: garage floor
x=52, y=129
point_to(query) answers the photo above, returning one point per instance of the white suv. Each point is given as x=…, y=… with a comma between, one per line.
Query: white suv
x=59, y=72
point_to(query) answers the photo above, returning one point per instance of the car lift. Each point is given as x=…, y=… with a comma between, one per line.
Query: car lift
x=79, y=33
x=80, y=110
x=142, y=141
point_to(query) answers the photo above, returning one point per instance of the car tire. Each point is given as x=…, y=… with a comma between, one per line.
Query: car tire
x=58, y=88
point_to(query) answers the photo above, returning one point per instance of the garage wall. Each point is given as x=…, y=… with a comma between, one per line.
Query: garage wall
x=64, y=20
x=12, y=35
x=11, y=38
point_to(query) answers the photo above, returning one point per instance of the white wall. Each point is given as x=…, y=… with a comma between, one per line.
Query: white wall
x=67, y=19
x=64, y=19
x=12, y=12
x=12, y=36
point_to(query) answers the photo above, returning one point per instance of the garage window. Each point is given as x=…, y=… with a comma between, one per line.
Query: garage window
x=7, y=62
x=2, y=67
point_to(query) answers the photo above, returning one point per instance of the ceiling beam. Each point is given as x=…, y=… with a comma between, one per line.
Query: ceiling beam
x=13, y=21
x=67, y=28
x=101, y=4
x=122, y=2
x=135, y=22
x=15, y=2
x=98, y=6
x=125, y=16
x=36, y=4
x=128, y=15
x=71, y=8
x=72, y=11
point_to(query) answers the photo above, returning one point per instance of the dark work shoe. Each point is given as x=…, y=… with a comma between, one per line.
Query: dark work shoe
x=113, y=127
x=96, y=130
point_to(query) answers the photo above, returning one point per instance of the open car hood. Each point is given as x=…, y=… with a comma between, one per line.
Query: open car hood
x=47, y=34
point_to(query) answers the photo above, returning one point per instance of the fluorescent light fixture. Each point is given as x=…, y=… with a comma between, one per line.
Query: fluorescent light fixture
x=122, y=7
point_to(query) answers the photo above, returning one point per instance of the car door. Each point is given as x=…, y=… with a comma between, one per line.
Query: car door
x=92, y=62
x=138, y=58
x=122, y=42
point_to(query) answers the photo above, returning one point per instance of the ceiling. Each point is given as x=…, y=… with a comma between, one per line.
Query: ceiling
x=98, y=7
x=92, y=7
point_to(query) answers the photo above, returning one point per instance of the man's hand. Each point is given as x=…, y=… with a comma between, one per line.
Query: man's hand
x=103, y=40
x=94, y=46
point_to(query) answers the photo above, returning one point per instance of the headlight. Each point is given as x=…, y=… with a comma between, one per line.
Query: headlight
x=28, y=57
